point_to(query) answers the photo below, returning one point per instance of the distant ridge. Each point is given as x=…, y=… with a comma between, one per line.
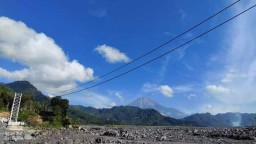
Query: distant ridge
x=224, y=119
x=147, y=103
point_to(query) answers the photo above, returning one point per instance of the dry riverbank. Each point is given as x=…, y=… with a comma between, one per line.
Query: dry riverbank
x=132, y=134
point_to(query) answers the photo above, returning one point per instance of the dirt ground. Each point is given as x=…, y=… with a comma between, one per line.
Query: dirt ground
x=4, y=114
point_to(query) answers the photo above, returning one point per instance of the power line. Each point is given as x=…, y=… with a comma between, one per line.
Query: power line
x=172, y=50
x=149, y=52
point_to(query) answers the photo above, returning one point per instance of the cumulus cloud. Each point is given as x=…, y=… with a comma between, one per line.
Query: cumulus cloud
x=166, y=90
x=238, y=78
x=92, y=99
x=163, y=89
x=44, y=63
x=111, y=54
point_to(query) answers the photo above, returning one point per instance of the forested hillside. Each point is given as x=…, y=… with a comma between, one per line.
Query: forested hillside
x=128, y=115
x=26, y=87
x=35, y=112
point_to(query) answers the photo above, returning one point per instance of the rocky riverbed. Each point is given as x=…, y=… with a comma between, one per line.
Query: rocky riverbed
x=131, y=134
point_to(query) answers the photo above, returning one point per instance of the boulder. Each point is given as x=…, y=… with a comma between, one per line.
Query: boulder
x=99, y=140
x=113, y=133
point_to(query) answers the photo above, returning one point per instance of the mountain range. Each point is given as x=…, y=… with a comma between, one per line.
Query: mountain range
x=129, y=115
x=142, y=111
x=147, y=103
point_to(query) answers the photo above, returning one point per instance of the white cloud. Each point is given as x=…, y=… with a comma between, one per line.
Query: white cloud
x=111, y=54
x=217, y=90
x=45, y=64
x=232, y=75
x=238, y=78
x=113, y=104
x=209, y=106
x=117, y=94
x=166, y=90
x=163, y=89
x=92, y=99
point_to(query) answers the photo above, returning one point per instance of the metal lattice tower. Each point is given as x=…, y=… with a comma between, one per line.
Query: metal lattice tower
x=15, y=108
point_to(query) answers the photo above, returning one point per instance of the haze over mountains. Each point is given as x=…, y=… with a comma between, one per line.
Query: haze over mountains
x=142, y=111
x=147, y=103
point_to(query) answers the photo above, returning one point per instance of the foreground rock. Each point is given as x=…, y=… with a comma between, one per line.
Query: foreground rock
x=132, y=134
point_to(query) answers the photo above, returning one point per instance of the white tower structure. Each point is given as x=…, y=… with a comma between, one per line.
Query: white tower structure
x=15, y=110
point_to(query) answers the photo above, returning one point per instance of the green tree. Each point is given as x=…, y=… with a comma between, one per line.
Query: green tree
x=7, y=99
x=60, y=108
x=63, y=105
x=2, y=106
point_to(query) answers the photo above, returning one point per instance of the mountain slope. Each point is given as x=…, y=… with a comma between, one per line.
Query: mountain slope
x=26, y=87
x=86, y=118
x=223, y=120
x=147, y=103
x=129, y=115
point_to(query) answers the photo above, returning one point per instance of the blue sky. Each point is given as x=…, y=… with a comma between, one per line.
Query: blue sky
x=57, y=45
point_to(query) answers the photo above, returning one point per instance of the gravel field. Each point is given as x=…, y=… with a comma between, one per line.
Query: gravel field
x=131, y=134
